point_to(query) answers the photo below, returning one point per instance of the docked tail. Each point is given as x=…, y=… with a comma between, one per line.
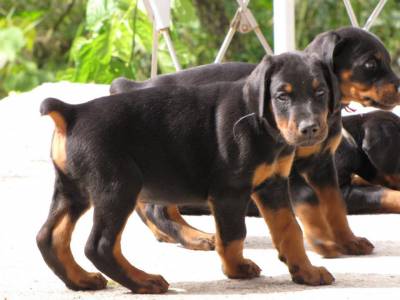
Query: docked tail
x=60, y=112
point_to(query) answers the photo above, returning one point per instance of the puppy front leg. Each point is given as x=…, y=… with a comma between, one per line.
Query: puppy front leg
x=323, y=179
x=229, y=212
x=272, y=200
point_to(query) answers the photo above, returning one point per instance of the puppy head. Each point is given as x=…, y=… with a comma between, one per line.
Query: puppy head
x=293, y=93
x=362, y=65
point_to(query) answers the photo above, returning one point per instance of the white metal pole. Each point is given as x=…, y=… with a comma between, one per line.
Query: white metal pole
x=263, y=41
x=154, y=53
x=374, y=14
x=225, y=45
x=284, y=30
x=350, y=12
x=171, y=49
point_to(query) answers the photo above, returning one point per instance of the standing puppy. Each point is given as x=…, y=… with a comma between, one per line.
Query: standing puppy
x=362, y=65
x=218, y=143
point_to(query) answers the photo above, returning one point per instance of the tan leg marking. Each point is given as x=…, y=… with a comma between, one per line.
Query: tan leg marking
x=61, y=240
x=288, y=240
x=390, y=201
x=317, y=230
x=334, y=209
x=234, y=265
x=193, y=238
x=159, y=234
x=148, y=283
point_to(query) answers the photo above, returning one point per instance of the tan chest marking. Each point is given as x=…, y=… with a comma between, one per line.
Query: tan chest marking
x=308, y=151
x=284, y=165
x=264, y=171
x=334, y=143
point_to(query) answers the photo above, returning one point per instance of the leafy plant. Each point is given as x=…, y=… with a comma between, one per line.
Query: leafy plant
x=98, y=40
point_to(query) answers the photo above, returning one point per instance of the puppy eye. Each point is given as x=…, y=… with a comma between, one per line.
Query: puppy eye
x=320, y=93
x=371, y=64
x=282, y=97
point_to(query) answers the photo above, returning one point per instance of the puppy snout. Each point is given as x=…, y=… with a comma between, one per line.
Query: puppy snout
x=309, y=128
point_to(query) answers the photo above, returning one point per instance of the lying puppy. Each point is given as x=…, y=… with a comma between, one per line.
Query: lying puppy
x=368, y=163
x=215, y=143
x=362, y=65
x=368, y=166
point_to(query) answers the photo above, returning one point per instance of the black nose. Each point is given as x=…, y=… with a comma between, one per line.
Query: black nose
x=309, y=128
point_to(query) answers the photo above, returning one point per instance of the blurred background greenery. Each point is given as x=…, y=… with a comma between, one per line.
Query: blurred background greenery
x=98, y=40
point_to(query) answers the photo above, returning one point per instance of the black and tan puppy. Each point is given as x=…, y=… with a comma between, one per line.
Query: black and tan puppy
x=368, y=163
x=362, y=65
x=216, y=143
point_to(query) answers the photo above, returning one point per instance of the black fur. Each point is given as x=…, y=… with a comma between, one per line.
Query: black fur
x=175, y=145
x=343, y=50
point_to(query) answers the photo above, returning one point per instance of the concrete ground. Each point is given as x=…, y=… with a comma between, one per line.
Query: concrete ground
x=26, y=179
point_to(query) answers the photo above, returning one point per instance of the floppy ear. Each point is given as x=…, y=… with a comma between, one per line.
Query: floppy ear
x=256, y=88
x=334, y=88
x=327, y=46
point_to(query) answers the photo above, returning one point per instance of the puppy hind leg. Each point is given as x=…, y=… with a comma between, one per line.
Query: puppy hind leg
x=187, y=235
x=145, y=212
x=113, y=204
x=168, y=225
x=53, y=239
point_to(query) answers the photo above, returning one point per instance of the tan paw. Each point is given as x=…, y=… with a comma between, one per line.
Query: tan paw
x=244, y=270
x=205, y=242
x=153, y=284
x=311, y=275
x=92, y=281
x=327, y=249
x=357, y=246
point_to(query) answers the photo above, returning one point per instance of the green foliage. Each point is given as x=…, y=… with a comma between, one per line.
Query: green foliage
x=17, y=71
x=98, y=40
x=102, y=49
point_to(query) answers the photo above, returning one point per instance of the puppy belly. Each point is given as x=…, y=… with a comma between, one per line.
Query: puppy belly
x=171, y=195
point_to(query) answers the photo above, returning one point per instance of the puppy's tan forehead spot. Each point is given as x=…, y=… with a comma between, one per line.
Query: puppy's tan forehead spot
x=346, y=75
x=378, y=55
x=288, y=88
x=315, y=83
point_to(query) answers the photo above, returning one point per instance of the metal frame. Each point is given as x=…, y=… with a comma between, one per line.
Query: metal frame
x=244, y=22
x=159, y=14
x=371, y=19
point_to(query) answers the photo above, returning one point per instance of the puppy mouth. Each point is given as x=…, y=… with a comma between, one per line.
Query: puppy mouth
x=309, y=141
x=368, y=101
